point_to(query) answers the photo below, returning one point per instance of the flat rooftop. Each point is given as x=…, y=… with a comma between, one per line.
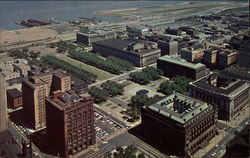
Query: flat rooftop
x=177, y=60
x=179, y=107
x=123, y=45
x=220, y=84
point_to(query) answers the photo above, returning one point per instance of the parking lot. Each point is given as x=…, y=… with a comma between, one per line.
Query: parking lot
x=104, y=126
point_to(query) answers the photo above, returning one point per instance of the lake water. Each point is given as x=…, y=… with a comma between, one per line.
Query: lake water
x=15, y=11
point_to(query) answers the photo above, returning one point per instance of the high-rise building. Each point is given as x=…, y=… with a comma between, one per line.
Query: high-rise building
x=36, y=88
x=3, y=104
x=179, y=124
x=72, y=130
x=35, y=91
x=230, y=95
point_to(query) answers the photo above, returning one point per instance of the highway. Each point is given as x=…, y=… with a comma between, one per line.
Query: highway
x=222, y=144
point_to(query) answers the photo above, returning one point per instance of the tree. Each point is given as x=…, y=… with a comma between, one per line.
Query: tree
x=98, y=94
x=56, y=62
x=113, y=88
x=179, y=83
x=146, y=75
x=139, y=77
x=139, y=100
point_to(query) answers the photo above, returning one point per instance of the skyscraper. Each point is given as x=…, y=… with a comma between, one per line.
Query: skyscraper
x=3, y=104
x=36, y=89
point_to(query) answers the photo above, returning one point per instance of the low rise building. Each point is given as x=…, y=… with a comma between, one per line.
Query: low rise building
x=230, y=95
x=140, y=53
x=174, y=65
x=14, y=68
x=137, y=30
x=72, y=130
x=94, y=36
x=14, y=98
x=179, y=125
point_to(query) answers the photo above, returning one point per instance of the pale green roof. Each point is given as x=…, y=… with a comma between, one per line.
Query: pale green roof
x=165, y=107
x=177, y=60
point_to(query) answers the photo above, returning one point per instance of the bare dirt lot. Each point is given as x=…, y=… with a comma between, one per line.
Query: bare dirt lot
x=25, y=35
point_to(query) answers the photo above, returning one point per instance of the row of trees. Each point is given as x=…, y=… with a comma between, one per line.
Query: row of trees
x=128, y=152
x=178, y=83
x=108, y=89
x=58, y=63
x=111, y=64
x=146, y=75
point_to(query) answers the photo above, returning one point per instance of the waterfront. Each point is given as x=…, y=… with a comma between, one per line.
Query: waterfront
x=15, y=11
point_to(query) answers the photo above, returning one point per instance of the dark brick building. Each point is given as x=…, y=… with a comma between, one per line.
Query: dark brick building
x=72, y=129
x=179, y=125
x=14, y=98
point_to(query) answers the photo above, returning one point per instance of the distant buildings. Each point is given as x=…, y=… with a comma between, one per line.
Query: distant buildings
x=235, y=71
x=36, y=89
x=14, y=68
x=137, y=30
x=230, y=95
x=244, y=54
x=193, y=53
x=3, y=104
x=140, y=53
x=168, y=47
x=174, y=65
x=179, y=125
x=173, y=31
x=90, y=37
x=72, y=130
x=14, y=98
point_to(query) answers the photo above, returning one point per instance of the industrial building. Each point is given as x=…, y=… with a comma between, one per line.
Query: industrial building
x=72, y=130
x=89, y=37
x=230, y=95
x=140, y=53
x=179, y=125
x=174, y=65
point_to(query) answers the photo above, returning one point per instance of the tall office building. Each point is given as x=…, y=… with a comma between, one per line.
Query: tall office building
x=72, y=130
x=3, y=104
x=36, y=89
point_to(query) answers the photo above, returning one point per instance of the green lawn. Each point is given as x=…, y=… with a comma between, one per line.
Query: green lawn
x=101, y=75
